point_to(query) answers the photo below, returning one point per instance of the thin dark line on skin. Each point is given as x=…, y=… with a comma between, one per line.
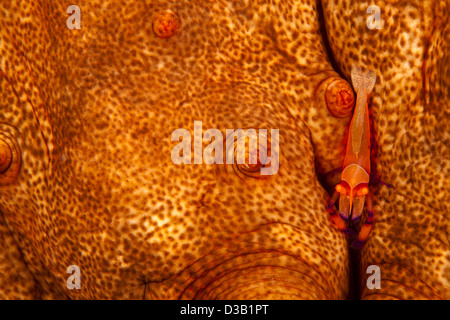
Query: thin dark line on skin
x=294, y=286
x=410, y=272
x=383, y=294
x=299, y=229
x=145, y=288
x=219, y=293
x=226, y=272
x=9, y=125
x=231, y=271
x=177, y=274
x=404, y=285
x=222, y=276
x=257, y=297
x=142, y=281
x=203, y=270
x=233, y=257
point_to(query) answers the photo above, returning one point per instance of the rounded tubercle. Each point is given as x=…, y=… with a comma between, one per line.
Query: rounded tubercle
x=339, y=98
x=10, y=159
x=5, y=156
x=166, y=24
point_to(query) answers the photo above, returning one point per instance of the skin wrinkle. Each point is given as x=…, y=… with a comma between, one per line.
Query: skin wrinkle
x=220, y=293
x=379, y=295
x=412, y=274
x=267, y=265
x=214, y=279
x=93, y=111
x=300, y=290
x=233, y=258
x=410, y=288
x=296, y=288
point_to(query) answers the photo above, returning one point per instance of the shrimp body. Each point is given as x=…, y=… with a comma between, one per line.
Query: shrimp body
x=354, y=186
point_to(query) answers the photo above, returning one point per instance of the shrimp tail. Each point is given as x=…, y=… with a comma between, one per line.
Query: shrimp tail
x=363, y=79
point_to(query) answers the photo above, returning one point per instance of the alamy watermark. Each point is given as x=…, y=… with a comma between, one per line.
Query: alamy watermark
x=74, y=21
x=246, y=147
x=374, y=20
x=74, y=281
x=374, y=280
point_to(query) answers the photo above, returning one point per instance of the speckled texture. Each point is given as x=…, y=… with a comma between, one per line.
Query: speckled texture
x=92, y=111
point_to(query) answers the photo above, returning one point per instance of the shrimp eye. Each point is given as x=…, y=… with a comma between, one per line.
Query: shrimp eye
x=340, y=189
x=363, y=191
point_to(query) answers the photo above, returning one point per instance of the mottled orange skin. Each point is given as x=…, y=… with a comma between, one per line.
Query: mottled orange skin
x=92, y=111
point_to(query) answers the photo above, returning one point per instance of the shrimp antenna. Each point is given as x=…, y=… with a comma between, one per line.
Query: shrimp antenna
x=363, y=81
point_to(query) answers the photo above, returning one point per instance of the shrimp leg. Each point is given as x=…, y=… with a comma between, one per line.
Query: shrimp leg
x=367, y=226
x=336, y=219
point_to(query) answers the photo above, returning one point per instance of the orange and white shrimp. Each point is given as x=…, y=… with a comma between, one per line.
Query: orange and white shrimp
x=354, y=186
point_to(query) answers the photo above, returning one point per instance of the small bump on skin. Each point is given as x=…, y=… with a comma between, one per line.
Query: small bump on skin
x=5, y=156
x=339, y=98
x=10, y=160
x=165, y=24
